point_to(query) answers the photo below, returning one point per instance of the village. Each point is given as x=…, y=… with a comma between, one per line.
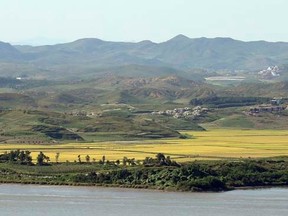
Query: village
x=185, y=113
x=276, y=106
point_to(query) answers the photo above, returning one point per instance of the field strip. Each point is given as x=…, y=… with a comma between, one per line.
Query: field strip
x=215, y=144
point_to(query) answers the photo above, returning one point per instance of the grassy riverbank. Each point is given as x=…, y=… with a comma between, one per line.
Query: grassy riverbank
x=154, y=174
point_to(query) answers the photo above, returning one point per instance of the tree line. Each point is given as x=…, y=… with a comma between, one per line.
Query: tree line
x=223, y=102
x=25, y=158
x=158, y=172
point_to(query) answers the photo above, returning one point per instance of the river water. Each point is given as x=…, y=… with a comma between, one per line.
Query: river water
x=30, y=200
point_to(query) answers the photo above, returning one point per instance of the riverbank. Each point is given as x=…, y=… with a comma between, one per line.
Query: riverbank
x=195, y=176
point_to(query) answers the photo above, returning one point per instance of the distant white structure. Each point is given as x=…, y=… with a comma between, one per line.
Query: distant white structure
x=272, y=71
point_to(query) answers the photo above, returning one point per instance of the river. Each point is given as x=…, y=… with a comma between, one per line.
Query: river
x=30, y=200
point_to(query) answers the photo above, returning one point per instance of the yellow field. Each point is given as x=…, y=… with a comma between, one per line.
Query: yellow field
x=214, y=144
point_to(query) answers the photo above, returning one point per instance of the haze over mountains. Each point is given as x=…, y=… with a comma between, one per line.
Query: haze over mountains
x=179, y=55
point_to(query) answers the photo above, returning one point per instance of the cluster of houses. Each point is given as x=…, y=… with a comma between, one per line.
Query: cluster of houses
x=276, y=106
x=77, y=113
x=81, y=113
x=186, y=113
x=265, y=109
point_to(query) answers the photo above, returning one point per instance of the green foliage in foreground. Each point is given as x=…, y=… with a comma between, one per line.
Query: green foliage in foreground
x=197, y=176
x=157, y=173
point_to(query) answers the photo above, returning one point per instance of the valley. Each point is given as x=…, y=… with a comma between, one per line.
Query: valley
x=93, y=112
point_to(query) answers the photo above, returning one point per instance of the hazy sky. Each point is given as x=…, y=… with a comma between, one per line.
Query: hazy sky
x=136, y=20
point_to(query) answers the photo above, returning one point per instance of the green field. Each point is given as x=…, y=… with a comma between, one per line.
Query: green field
x=212, y=145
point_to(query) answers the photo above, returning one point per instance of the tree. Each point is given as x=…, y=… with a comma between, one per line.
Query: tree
x=131, y=162
x=40, y=159
x=28, y=158
x=117, y=162
x=57, y=157
x=160, y=157
x=22, y=157
x=149, y=161
x=47, y=159
x=14, y=155
x=87, y=158
x=168, y=160
x=79, y=158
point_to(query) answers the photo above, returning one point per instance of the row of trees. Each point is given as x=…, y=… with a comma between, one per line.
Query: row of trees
x=222, y=102
x=159, y=160
x=25, y=158
x=22, y=157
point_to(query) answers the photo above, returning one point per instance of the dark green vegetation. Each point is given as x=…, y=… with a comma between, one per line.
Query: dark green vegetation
x=155, y=173
x=17, y=157
x=57, y=133
x=223, y=102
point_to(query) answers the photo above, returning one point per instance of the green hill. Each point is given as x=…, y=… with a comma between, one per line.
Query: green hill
x=45, y=126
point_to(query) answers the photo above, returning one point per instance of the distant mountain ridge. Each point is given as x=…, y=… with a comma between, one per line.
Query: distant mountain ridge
x=8, y=52
x=179, y=53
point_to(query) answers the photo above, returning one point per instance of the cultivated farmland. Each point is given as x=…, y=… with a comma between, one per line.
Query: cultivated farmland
x=214, y=144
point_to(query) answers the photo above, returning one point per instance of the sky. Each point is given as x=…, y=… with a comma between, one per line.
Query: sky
x=53, y=21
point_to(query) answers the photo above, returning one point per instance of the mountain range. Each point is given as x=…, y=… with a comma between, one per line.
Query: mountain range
x=180, y=55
